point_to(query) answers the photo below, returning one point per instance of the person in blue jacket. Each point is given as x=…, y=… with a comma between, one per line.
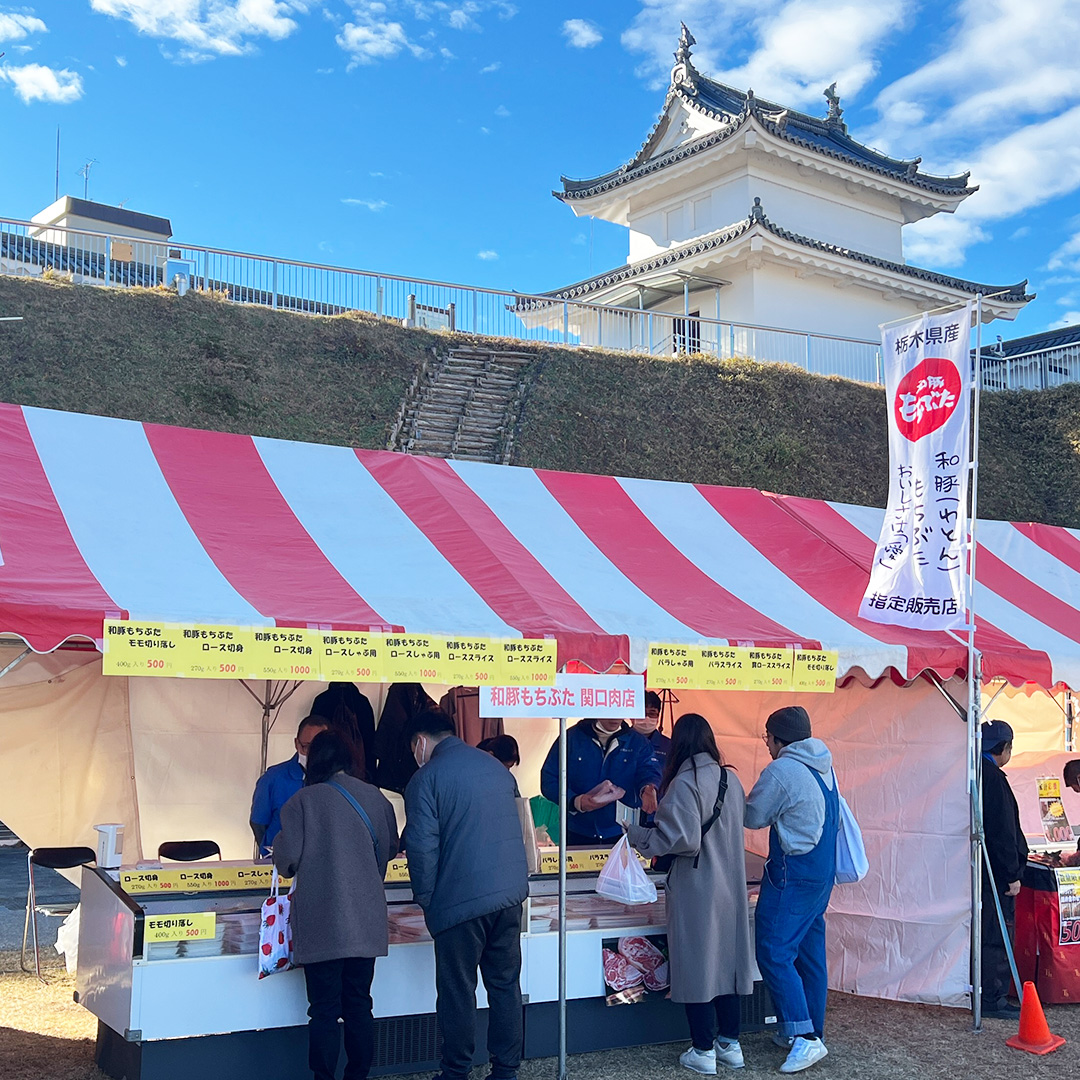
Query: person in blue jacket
x=649, y=727
x=601, y=755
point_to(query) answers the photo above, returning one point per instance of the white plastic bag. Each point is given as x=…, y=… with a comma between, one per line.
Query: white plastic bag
x=275, y=933
x=851, y=862
x=67, y=941
x=623, y=878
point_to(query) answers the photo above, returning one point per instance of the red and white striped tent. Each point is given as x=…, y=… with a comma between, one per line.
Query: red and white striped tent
x=111, y=518
x=102, y=517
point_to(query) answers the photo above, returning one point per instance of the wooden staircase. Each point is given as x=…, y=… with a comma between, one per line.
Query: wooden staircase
x=464, y=405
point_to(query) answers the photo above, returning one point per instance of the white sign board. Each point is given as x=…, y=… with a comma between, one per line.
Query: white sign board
x=619, y=696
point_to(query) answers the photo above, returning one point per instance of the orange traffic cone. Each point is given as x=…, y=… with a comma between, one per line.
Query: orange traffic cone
x=1034, y=1036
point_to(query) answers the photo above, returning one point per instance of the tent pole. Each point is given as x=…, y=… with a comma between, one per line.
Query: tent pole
x=562, y=898
x=974, y=672
x=16, y=662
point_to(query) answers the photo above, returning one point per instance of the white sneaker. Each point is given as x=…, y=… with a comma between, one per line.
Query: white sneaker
x=785, y=1042
x=699, y=1061
x=728, y=1054
x=804, y=1053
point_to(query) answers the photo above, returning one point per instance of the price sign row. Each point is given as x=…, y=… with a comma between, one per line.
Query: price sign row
x=708, y=667
x=242, y=652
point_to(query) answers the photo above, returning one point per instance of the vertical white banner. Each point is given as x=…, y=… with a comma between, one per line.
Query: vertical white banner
x=918, y=576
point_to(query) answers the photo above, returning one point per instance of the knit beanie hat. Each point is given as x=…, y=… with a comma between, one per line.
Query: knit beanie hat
x=789, y=724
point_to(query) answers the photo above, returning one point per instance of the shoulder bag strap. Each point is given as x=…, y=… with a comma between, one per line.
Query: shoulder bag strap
x=362, y=812
x=711, y=820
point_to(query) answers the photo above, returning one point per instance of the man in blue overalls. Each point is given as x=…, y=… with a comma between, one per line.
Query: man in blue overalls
x=796, y=798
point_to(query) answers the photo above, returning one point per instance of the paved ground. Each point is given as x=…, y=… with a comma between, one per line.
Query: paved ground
x=51, y=889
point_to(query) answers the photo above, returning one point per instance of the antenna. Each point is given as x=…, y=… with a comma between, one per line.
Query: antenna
x=57, y=196
x=84, y=172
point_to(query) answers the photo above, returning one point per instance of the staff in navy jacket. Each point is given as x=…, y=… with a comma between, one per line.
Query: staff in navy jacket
x=649, y=727
x=601, y=755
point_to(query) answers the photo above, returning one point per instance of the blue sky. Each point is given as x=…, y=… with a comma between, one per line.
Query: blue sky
x=423, y=137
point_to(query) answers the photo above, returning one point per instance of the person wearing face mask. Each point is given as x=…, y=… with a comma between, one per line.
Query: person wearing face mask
x=469, y=875
x=607, y=761
x=280, y=783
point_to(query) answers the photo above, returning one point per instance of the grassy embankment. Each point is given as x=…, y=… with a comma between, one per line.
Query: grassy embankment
x=202, y=362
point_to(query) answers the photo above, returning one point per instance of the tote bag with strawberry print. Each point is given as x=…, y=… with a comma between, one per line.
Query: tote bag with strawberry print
x=275, y=933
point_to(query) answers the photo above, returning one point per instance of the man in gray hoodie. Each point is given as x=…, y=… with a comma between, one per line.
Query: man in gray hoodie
x=796, y=799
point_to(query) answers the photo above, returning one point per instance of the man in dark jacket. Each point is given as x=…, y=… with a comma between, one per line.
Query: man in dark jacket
x=649, y=726
x=606, y=761
x=469, y=875
x=1007, y=852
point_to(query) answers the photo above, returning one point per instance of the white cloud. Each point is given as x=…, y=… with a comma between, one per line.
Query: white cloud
x=491, y=67
x=1067, y=257
x=1070, y=318
x=15, y=26
x=581, y=34
x=374, y=205
x=121, y=61
x=208, y=27
x=446, y=54
x=485, y=131
x=36, y=82
x=792, y=48
x=503, y=111
x=487, y=255
x=370, y=42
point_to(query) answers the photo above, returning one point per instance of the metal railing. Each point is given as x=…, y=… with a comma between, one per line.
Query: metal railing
x=1039, y=369
x=29, y=249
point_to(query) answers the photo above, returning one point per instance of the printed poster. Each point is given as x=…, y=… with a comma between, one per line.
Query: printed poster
x=1068, y=883
x=1055, y=822
x=917, y=578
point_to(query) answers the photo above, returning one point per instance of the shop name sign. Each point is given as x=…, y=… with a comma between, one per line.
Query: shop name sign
x=578, y=696
x=133, y=647
x=713, y=667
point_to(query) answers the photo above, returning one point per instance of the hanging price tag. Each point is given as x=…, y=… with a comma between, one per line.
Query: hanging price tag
x=770, y=669
x=191, y=926
x=528, y=662
x=143, y=648
x=814, y=672
x=284, y=653
x=218, y=652
x=414, y=658
x=674, y=666
x=724, y=668
x=472, y=661
x=351, y=657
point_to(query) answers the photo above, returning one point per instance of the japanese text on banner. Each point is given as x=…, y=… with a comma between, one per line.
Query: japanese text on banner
x=346, y=656
x=528, y=662
x=284, y=653
x=218, y=652
x=617, y=696
x=814, y=672
x=674, y=666
x=414, y=658
x=917, y=578
x=770, y=669
x=191, y=926
x=143, y=648
x=473, y=661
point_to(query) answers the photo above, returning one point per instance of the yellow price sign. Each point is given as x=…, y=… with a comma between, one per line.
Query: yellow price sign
x=724, y=667
x=673, y=666
x=813, y=671
x=527, y=662
x=284, y=653
x=414, y=658
x=472, y=661
x=348, y=656
x=397, y=870
x=580, y=861
x=201, y=877
x=193, y=926
x=1049, y=787
x=770, y=669
x=137, y=647
x=218, y=652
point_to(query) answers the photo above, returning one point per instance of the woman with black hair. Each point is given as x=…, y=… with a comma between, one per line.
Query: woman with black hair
x=700, y=823
x=337, y=835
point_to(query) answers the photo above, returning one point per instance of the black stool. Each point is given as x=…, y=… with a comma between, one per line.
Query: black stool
x=188, y=850
x=52, y=858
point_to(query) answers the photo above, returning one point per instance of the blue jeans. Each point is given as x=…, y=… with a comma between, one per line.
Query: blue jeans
x=789, y=929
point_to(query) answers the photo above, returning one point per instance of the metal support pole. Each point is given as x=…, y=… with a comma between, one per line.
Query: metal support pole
x=274, y=301
x=974, y=674
x=565, y=323
x=108, y=259
x=16, y=662
x=562, y=898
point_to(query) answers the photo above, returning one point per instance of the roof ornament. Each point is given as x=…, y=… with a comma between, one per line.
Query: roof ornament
x=757, y=212
x=835, y=115
x=683, y=74
x=912, y=168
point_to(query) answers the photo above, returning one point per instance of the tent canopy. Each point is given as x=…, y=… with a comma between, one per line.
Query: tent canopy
x=113, y=518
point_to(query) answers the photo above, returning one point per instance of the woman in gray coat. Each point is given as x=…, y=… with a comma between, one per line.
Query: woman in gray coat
x=338, y=856
x=708, y=924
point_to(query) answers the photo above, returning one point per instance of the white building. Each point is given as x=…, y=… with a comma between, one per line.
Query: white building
x=738, y=209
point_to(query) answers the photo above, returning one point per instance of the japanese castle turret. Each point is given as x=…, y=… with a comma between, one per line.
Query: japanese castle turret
x=742, y=210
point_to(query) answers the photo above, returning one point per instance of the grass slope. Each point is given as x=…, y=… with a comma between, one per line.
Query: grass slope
x=201, y=362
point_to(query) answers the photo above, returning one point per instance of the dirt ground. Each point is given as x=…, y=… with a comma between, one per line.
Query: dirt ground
x=44, y=1035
